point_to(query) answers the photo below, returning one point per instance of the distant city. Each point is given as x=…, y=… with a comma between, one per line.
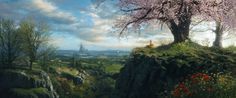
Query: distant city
x=85, y=53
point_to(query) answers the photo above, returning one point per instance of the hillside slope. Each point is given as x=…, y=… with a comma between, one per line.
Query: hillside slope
x=153, y=72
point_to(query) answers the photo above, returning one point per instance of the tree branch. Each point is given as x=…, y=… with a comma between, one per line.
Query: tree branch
x=135, y=9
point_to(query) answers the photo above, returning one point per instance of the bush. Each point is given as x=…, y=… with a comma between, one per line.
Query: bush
x=202, y=85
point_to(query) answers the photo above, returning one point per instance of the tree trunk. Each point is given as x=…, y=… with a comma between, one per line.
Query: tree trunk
x=218, y=35
x=180, y=35
x=180, y=32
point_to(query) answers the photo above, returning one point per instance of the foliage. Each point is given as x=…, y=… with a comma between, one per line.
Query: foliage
x=10, y=47
x=201, y=85
x=45, y=55
x=176, y=14
x=114, y=68
x=34, y=35
x=98, y=81
x=24, y=42
x=104, y=88
x=231, y=48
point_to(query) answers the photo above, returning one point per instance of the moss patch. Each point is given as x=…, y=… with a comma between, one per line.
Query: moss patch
x=114, y=68
x=30, y=93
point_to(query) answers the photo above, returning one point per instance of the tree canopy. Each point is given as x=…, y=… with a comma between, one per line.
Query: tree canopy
x=9, y=43
x=176, y=14
x=33, y=35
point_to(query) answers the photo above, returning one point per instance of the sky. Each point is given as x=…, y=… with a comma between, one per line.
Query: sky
x=75, y=22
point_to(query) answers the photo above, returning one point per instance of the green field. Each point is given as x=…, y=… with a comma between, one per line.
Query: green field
x=98, y=81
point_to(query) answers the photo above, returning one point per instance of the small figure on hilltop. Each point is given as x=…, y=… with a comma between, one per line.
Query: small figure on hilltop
x=151, y=45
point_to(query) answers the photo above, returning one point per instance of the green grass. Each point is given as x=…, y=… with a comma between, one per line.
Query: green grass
x=68, y=70
x=94, y=83
x=231, y=48
x=171, y=49
x=33, y=93
x=114, y=68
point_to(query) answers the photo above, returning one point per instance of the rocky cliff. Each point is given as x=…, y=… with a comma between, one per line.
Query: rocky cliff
x=19, y=83
x=152, y=72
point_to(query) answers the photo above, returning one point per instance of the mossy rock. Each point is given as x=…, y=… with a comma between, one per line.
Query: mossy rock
x=29, y=93
x=77, y=80
x=152, y=72
x=30, y=82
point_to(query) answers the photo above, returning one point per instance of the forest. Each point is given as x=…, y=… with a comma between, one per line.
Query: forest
x=158, y=52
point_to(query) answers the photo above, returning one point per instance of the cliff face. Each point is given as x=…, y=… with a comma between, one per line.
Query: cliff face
x=26, y=84
x=151, y=73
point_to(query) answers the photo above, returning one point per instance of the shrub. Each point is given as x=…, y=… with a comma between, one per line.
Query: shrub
x=202, y=85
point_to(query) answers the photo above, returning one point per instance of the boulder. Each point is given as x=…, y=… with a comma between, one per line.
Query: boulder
x=17, y=83
x=77, y=80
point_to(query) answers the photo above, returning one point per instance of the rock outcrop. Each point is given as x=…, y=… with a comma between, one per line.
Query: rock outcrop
x=26, y=84
x=152, y=73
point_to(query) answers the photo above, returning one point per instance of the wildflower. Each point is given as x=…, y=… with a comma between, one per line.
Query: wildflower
x=176, y=93
x=206, y=77
x=195, y=78
x=181, y=88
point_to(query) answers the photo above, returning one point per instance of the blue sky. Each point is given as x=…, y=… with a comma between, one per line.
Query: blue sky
x=73, y=22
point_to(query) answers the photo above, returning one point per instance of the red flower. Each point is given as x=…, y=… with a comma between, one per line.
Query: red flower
x=195, y=78
x=206, y=77
x=181, y=85
x=181, y=88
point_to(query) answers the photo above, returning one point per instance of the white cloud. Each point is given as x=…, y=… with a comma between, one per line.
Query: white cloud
x=44, y=5
x=48, y=9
